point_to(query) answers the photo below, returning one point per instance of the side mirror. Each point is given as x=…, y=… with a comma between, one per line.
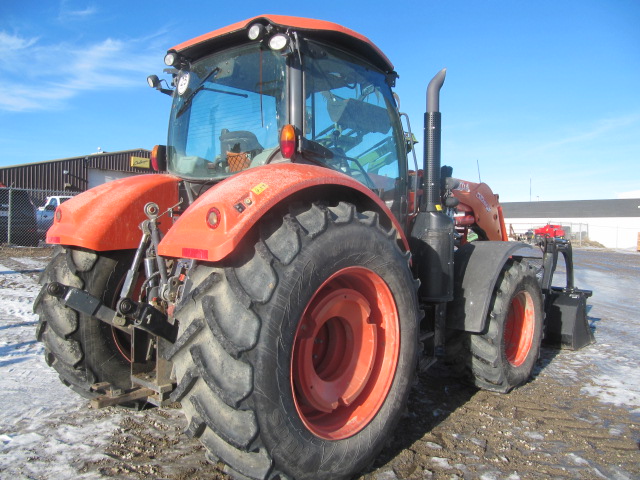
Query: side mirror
x=159, y=158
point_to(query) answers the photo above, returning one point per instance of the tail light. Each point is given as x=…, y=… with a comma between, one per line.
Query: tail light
x=288, y=141
x=213, y=218
x=159, y=158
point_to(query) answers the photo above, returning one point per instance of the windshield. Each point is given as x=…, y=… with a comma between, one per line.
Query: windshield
x=351, y=111
x=226, y=113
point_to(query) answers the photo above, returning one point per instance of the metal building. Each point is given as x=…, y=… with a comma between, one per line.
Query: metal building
x=615, y=223
x=77, y=174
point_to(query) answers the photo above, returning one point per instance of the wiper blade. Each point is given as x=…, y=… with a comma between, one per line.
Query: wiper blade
x=187, y=102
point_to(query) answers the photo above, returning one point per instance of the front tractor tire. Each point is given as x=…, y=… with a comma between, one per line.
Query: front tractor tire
x=503, y=356
x=295, y=359
x=82, y=349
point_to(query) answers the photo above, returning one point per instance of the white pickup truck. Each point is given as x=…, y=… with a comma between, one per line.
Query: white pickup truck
x=44, y=214
x=54, y=201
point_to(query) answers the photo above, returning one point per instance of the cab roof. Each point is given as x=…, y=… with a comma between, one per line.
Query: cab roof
x=316, y=29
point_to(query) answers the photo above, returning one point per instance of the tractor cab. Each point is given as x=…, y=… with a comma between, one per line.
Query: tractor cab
x=266, y=92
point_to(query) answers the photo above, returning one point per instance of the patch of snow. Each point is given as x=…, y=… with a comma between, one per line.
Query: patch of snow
x=577, y=459
x=44, y=427
x=610, y=366
x=32, y=263
x=441, y=462
x=433, y=446
x=387, y=475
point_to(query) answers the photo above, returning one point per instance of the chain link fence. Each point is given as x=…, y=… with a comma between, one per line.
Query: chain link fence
x=27, y=214
x=576, y=232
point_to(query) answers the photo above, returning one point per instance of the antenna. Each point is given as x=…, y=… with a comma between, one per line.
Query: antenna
x=478, y=165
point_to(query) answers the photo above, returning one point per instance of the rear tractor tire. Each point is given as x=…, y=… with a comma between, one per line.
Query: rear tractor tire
x=82, y=349
x=504, y=355
x=295, y=360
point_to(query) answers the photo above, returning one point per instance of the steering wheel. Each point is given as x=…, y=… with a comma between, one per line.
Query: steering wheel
x=341, y=162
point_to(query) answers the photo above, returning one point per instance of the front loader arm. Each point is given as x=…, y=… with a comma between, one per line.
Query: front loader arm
x=481, y=209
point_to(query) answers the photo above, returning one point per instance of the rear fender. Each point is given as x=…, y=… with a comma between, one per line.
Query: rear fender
x=477, y=266
x=108, y=216
x=242, y=200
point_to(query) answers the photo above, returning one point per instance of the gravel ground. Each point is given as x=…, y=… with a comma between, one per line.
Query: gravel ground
x=578, y=417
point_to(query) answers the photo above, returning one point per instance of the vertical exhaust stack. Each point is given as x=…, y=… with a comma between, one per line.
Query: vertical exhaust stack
x=432, y=233
x=432, y=140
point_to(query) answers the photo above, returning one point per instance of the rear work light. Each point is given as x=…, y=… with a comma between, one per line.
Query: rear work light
x=288, y=141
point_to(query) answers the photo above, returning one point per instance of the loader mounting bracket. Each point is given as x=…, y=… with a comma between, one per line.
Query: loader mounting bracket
x=566, y=323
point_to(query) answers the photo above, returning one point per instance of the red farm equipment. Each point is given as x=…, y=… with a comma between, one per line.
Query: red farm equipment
x=287, y=276
x=548, y=231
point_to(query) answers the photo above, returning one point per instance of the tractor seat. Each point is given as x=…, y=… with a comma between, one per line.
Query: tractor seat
x=240, y=147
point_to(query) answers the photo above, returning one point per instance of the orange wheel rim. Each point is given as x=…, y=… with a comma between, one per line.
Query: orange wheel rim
x=345, y=353
x=519, y=328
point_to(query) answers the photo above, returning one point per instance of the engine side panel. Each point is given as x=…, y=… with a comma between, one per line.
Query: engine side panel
x=241, y=201
x=108, y=216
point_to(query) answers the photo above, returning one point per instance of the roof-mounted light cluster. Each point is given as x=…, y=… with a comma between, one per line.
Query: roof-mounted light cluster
x=175, y=60
x=277, y=41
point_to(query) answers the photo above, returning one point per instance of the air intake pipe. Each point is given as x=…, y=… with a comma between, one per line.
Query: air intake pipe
x=432, y=233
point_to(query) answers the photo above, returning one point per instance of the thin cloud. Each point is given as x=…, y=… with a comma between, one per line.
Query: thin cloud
x=13, y=43
x=69, y=14
x=52, y=75
x=597, y=130
x=630, y=194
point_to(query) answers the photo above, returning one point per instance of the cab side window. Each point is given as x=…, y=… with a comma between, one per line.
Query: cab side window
x=350, y=110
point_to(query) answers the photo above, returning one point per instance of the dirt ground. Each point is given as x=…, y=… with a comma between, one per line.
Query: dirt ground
x=542, y=430
x=548, y=428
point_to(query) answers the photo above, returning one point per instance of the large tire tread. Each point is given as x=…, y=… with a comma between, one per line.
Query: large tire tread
x=77, y=347
x=58, y=324
x=212, y=355
x=482, y=354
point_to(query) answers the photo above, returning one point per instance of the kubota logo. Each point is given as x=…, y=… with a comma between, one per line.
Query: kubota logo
x=483, y=201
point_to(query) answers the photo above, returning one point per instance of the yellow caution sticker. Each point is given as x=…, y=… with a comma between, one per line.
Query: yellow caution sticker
x=258, y=189
x=439, y=208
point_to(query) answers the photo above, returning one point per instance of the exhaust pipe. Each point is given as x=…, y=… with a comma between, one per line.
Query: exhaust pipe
x=432, y=233
x=432, y=141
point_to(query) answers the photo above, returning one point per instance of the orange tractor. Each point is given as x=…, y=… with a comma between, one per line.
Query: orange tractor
x=287, y=276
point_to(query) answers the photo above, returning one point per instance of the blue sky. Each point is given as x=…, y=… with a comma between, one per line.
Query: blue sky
x=538, y=93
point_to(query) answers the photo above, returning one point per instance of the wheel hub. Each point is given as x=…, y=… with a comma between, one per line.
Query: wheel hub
x=345, y=353
x=519, y=328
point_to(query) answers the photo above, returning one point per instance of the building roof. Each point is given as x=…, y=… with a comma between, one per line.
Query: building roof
x=89, y=156
x=65, y=173
x=573, y=209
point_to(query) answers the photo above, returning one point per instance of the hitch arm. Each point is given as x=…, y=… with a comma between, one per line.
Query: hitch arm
x=144, y=316
x=83, y=302
x=149, y=319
